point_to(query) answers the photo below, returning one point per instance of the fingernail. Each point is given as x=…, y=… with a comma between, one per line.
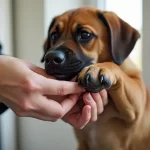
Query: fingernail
x=88, y=97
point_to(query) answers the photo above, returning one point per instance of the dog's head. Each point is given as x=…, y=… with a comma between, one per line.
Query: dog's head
x=83, y=36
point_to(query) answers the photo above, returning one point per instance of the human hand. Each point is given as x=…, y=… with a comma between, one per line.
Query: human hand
x=25, y=89
x=87, y=110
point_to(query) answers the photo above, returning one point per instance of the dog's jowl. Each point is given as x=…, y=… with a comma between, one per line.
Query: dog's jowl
x=93, y=46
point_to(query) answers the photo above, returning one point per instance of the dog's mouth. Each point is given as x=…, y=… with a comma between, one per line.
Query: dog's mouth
x=61, y=76
x=67, y=72
x=64, y=64
x=64, y=76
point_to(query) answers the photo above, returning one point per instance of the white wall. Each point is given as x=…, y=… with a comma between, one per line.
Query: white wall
x=29, y=29
x=6, y=26
x=146, y=41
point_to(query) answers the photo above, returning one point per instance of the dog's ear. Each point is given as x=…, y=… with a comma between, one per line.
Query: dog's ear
x=123, y=37
x=47, y=43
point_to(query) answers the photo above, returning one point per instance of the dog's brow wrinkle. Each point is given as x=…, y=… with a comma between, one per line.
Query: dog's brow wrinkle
x=73, y=13
x=70, y=16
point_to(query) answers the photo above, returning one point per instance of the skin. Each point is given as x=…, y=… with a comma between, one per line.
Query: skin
x=27, y=90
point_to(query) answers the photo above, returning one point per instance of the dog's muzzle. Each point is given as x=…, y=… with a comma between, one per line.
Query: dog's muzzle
x=63, y=63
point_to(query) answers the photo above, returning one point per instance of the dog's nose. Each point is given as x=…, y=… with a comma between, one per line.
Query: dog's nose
x=56, y=57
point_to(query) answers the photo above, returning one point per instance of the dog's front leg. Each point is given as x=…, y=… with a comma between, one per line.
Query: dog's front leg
x=125, y=89
x=81, y=139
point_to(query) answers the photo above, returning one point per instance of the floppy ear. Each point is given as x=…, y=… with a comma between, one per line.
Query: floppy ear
x=47, y=43
x=123, y=37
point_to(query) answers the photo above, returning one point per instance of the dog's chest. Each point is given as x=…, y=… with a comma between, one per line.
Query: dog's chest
x=91, y=136
x=101, y=135
x=101, y=139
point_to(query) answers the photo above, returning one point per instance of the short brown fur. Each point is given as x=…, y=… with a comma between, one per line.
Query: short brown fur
x=125, y=122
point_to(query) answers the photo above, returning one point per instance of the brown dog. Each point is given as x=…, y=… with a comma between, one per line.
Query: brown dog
x=95, y=45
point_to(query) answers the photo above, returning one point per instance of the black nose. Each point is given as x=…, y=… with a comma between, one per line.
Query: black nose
x=56, y=57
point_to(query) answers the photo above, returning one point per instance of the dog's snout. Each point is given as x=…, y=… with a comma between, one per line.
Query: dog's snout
x=56, y=57
x=63, y=63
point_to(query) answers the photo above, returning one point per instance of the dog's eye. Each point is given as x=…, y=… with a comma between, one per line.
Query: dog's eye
x=54, y=36
x=85, y=36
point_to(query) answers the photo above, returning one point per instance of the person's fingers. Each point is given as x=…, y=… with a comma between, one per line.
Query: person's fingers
x=79, y=120
x=55, y=87
x=50, y=86
x=104, y=97
x=51, y=108
x=99, y=103
x=88, y=100
x=85, y=117
x=48, y=107
x=38, y=107
x=69, y=102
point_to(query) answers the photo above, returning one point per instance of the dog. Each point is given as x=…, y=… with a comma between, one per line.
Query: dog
x=94, y=46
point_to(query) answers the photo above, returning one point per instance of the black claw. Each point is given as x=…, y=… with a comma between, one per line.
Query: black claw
x=87, y=79
x=92, y=85
x=106, y=83
x=102, y=79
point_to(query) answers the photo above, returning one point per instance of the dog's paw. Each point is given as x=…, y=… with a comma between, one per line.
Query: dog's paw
x=95, y=78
